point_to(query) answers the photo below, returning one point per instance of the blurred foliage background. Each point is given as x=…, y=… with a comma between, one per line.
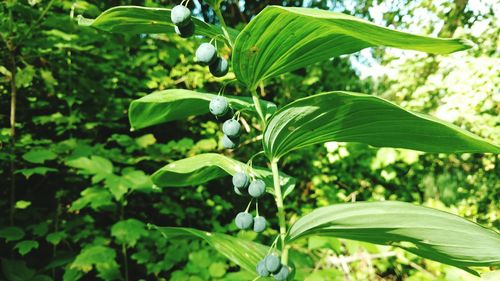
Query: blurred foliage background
x=76, y=196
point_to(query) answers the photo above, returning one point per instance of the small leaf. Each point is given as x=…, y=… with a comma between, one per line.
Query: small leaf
x=283, y=39
x=244, y=253
x=353, y=117
x=217, y=270
x=426, y=232
x=26, y=246
x=146, y=20
x=99, y=256
x=128, y=231
x=35, y=171
x=177, y=104
x=21, y=204
x=95, y=165
x=11, y=233
x=39, y=156
x=205, y=167
x=94, y=196
x=55, y=238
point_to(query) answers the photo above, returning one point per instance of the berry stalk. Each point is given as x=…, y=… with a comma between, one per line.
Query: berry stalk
x=281, y=210
x=223, y=24
x=258, y=108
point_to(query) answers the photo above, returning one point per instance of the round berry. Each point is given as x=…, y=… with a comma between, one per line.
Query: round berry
x=283, y=273
x=243, y=220
x=180, y=16
x=228, y=142
x=185, y=31
x=219, y=106
x=273, y=263
x=206, y=53
x=231, y=128
x=219, y=67
x=259, y=224
x=257, y=188
x=261, y=269
x=241, y=180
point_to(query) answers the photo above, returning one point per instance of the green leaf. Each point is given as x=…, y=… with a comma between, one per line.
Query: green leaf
x=128, y=231
x=11, y=233
x=282, y=39
x=16, y=270
x=177, y=104
x=26, y=246
x=95, y=165
x=96, y=197
x=35, y=171
x=22, y=204
x=205, y=167
x=353, y=117
x=426, y=232
x=242, y=252
x=102, y=257
x=39, y=156
x=136, y=20
x=55, y=238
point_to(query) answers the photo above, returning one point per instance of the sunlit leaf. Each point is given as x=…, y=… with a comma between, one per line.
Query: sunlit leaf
x=136, y=20
x=177, y=104
x=282, y=39
x=242, y=252
x=128, y=231
x=426, y=232
x=353, y=117
x=205, y=167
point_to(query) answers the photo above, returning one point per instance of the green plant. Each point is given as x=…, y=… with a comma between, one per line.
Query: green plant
x=263, y=50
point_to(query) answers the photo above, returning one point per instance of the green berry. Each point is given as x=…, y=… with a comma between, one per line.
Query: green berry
x=219, y=106
x=228, y=142
x=219, y=67
x=231, y=128
x=273, y=263
x=261, y=269
x=283, y=273
x=241, y=180
x=257, y=188
x=180, y=16
x=206, y=54
x=185, y=31
x=259, y=224
x=243, y=220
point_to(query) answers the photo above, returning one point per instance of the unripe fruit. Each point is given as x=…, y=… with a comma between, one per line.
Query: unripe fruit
x=219, y=67
x=257, y=188
x=283, y=273
x=273, y=263
x=243, y=220
x=180, y=15
x=219, y=106
x=228, y=142
x=241, y=180
x=206, y=53
x=231, y=128
x=261, y=269
x=185, y=31
x=259, y=224
x=237, y=191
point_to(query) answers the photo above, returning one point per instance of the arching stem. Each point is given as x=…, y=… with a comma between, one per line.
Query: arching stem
x=281, y=210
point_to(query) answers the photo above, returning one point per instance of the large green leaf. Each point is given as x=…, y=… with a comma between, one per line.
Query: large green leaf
x=136, y=19
x=353, y=117
x=426, y=232
x=176, y=104
x=281, y=39
x=242, y=252
x=205, y=167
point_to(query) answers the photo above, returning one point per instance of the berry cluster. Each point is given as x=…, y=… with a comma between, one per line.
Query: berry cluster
x=206, y=53
x=271, y=264
x=255, y=188
x=219, y=106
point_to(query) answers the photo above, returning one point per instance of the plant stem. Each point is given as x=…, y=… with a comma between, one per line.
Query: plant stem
x=281, y=209
x=223, y=24
x=258, y=107
x=13, y=99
